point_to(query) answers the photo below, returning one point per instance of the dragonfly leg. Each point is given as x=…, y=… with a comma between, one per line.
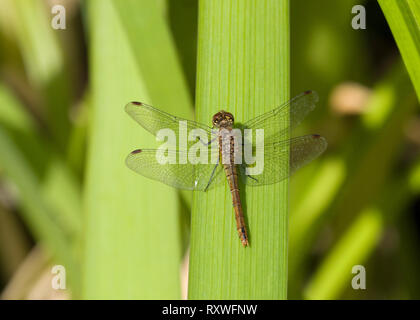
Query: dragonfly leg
x=249, y=176
x=212, y=175
x=208, y=143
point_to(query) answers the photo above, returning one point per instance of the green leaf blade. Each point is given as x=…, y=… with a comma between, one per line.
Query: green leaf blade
x=403, y=17
x=243, y=67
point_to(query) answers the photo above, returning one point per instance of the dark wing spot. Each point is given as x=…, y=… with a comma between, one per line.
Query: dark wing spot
x=136, y=151
x=137, y=103
x=308, y=92
x=316, y=136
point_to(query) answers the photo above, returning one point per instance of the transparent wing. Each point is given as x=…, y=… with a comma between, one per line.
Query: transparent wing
x=277, y=123
x=153, y=120
x=148, y=162
x=277, y=165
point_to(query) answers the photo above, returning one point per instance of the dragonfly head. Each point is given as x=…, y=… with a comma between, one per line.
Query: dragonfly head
x=223, y=119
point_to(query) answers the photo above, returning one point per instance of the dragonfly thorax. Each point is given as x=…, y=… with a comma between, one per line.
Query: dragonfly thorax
x=223, y=119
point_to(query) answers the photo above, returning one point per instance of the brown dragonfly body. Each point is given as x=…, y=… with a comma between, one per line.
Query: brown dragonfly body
x=225, y=120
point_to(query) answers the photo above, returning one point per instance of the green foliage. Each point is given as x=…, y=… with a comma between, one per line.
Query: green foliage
x=132, y=235
x=64, y=137
x=404, y=20
x=45, y=64
x=48, y=193
x=243, y=47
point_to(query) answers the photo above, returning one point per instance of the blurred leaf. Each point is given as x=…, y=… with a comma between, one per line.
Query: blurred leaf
x=44, y=63
x=36, y=212
x=323, y=48
x=360, y=168
x=14, y=244
x=161, y=71
x=360, y=239
x=57, y=183
x=185, y=35
x=403, y=17
x=352, y=249
x=76, y=151
x=50, y=197
x=133, y=241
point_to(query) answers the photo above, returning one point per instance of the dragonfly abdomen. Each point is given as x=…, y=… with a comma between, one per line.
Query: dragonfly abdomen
x=232, y=176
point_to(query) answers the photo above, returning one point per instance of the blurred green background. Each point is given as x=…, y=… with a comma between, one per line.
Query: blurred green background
x=62, y=126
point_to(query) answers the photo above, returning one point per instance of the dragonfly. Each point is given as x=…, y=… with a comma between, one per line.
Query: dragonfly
x=281, y=155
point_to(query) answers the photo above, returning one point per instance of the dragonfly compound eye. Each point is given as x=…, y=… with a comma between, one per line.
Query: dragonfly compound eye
x=229, y=117
x=217, y=118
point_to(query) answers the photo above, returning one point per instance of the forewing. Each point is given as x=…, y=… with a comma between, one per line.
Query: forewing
x=278, y=165
x=148, y=163
x=153, y=120
x=277, y=122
